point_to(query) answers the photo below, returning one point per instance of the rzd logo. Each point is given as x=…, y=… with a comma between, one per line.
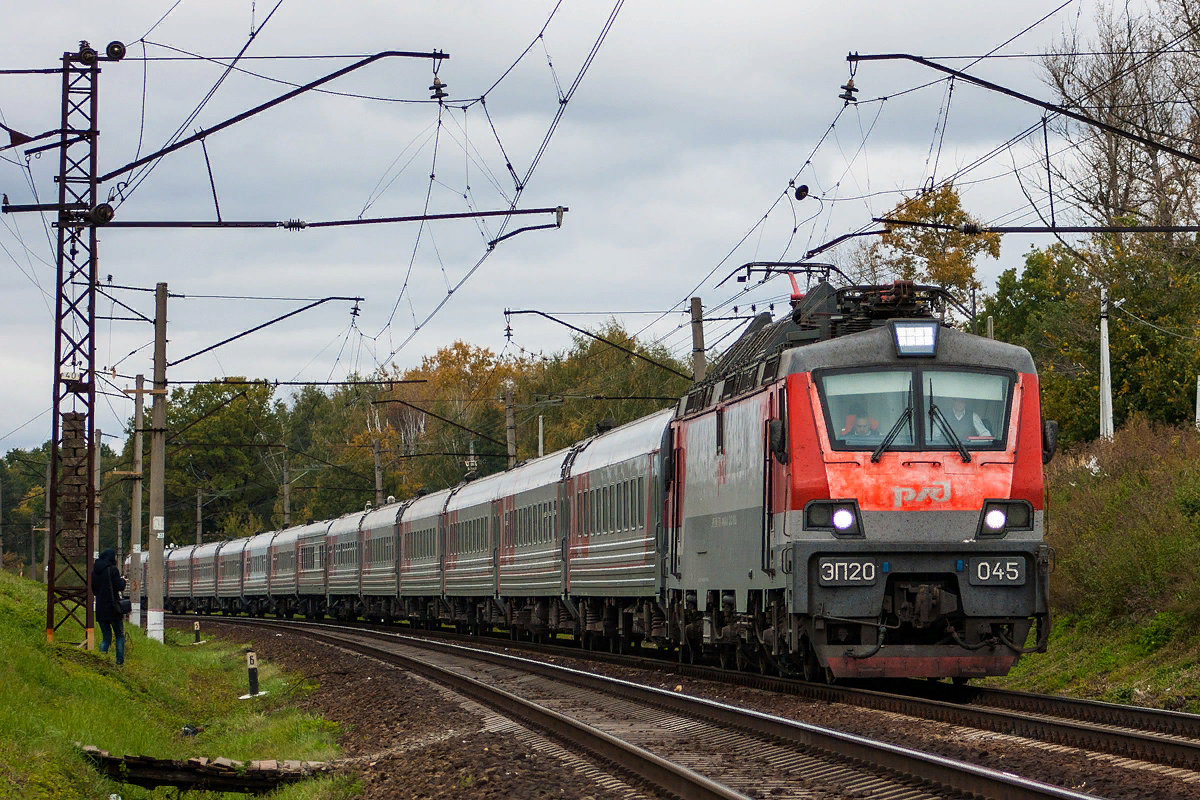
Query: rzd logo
x=938, y=493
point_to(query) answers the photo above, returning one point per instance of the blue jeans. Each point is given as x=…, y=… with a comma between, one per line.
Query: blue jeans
x=108, y=629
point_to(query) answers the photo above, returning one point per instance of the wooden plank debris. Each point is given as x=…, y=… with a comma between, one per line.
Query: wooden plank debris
x=216, y=775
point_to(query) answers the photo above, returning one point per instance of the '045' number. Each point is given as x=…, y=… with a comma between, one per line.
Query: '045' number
x=997, y=571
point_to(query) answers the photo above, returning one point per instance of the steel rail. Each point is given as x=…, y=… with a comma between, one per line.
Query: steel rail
x=663, y=774
x=931, y=770
x=1175, y=723
x=1087, y=725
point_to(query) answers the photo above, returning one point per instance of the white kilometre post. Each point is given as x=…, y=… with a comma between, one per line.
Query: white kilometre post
x=1106, y=412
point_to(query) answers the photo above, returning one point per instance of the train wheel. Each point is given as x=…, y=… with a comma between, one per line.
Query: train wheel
x=961, y=680
x=810, y=669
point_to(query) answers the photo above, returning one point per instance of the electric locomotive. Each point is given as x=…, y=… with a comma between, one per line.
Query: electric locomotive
x=856, y=490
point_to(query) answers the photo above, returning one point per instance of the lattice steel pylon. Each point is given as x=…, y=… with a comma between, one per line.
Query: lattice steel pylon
x=72, y=506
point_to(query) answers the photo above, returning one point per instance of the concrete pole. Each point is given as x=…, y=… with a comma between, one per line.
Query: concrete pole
x=378, y=474
x=96, y=495
x=90, y=635
x=699, y=365
x=43, y=577
x=120, y=536
x=158, y=462
x=1, y=528
x=510, y=427
x=199, y=522
x=1106, y=412
x=991, y=327
x=287, y=495
x=135, y=508
x=1198, y=402
x=541, y=436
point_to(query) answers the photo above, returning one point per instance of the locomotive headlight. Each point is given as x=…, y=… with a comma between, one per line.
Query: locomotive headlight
x=839, y=517
x=1001, y=516
x=843, y=519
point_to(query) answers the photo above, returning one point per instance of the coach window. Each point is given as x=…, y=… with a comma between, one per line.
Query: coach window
x=720, y=431
x=641, y=502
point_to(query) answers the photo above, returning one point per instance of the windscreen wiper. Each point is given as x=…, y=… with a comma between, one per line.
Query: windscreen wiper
x=892, y=434
x=936, y=414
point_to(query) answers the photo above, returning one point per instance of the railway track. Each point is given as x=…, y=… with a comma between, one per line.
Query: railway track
x=1162, y=737
x=650, y=732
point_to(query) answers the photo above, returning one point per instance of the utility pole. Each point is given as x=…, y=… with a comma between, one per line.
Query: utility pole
x=1, y=527
x=1106, y=413
x=96, y=494
x=47, y=545
x=698, y=363
x=135, y=508
x=287, y=495
x=158, y=462
x=510, y=427
x=378, y=474
x=541, y=436
x=199, y=523
x=120, y=537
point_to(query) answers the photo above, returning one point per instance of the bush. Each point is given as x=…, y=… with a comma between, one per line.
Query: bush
x=1124, y=520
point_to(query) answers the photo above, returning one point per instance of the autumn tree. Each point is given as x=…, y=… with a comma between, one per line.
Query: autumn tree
x=1138, y=74
x=935, y=251
x=593, y=382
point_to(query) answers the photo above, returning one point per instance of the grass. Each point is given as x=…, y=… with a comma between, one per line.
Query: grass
x=1154, y=664
x=54, y=695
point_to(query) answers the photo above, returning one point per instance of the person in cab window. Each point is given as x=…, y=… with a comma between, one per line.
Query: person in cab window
x=966, y=423
x=858, y=423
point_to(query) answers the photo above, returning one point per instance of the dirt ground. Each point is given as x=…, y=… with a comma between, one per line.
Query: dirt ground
x=406, y=739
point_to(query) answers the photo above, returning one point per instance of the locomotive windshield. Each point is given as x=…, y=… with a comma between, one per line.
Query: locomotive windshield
x=951, y=409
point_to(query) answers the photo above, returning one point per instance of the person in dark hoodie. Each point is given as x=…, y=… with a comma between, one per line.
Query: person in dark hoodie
x=107, y=585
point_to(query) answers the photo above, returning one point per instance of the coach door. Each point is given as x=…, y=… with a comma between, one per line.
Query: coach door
x=674, y=475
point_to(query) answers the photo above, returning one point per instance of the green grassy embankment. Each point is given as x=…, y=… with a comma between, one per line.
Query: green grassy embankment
x=1124, y=521
x=53, y=695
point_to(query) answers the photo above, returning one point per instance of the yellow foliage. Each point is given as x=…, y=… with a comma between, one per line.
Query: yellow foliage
x=937, y=256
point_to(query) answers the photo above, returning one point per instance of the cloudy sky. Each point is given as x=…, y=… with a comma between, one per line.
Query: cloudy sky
x=674, y=155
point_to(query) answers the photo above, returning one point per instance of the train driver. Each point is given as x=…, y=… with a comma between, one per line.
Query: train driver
x=859, y=423
x=965, y=423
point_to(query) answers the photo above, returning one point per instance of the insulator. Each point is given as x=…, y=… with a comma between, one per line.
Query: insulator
x=115, y=51
x=848, y=92
x=87, y=55
x=295, y=224
x=802, y=191
x=438, y=88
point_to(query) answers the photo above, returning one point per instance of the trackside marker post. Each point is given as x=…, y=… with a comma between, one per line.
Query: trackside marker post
x=252, y=670
x=196, y=628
